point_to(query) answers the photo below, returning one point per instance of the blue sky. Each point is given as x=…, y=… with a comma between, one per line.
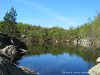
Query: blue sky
x=49, y=13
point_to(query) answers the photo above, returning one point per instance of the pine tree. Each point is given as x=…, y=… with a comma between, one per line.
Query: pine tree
x=10, y=24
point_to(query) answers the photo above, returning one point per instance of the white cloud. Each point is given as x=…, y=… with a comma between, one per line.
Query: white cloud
x=55, y=16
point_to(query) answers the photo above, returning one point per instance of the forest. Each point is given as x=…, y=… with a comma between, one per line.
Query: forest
x=89, y=30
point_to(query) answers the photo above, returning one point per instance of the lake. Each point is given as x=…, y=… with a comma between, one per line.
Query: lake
x=59, y=59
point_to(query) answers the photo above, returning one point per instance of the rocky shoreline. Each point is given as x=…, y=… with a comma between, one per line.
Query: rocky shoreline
x=11, y=49
x=9, y=68
x=96, y=69
x=90, y=44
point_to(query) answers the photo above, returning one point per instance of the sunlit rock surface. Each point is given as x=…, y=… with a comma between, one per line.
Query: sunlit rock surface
x=98, y=60
x=96, y=69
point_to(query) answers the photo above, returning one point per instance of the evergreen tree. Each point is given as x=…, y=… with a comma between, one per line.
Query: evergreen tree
x=10, y=24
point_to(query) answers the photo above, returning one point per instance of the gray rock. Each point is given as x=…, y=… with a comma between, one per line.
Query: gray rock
x=23, y=36
x=95, y=70
x=98, y=60
x=16, y=42
x=83, y=42
x=8, y=68
x=11, y=46
x=11, y=40
x=9, y=51
x=28, y=71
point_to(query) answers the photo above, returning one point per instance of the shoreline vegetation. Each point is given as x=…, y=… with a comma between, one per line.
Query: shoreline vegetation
x=84, y=35
x=88, y=32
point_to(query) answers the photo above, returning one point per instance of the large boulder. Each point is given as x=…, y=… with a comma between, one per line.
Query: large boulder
x=96, y=69
x=98, y=60
x=10, y=47
x=11, y=51
x=5, y=39
x=8, y=68
x=16, y=42
x=8, y=60
x=8, y=40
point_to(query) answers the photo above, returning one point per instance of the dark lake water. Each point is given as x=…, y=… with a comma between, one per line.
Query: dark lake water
x=59, y=59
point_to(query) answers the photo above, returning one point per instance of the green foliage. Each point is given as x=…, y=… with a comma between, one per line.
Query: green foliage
x=1, y=26
x=10, y=25
x=85, y=30
x=96, y=25
x=90, y=29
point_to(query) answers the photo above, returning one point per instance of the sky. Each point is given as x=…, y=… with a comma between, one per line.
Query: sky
x=50, y=13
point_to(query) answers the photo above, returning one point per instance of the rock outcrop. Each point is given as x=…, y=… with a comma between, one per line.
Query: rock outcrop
x=8, y=68
x=96, y=69
x=8, y=59
x=82, y=42
x=11, y=49
x=98, y=60
x=6, y=40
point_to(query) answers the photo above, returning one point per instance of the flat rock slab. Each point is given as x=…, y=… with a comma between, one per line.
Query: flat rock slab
x=95, y=70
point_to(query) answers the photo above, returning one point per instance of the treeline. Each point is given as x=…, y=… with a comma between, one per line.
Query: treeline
x=89, y=30
x=38, y=33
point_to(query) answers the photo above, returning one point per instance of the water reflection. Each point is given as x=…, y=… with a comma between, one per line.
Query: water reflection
x=57, y=59
x=58, y=49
